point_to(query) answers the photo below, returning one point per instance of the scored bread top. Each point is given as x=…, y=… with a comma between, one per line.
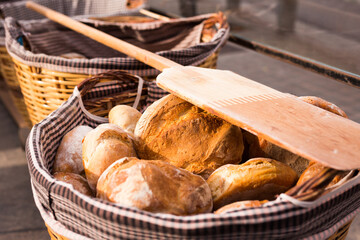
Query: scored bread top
x=155, y=186
x=102, y=146
x=186, y=136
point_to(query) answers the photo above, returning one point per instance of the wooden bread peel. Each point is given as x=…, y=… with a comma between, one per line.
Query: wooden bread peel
x=299, y=127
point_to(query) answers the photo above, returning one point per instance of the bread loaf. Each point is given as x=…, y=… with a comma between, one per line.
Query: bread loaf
x=125, y=117
x=314, y=169
x=78, y=182
x=184, y=135
x=240, y=205
x=270, y=150
x=256, y=179
x=321, y=103
x=155, y=186
x=103, y=146
x=69, y=154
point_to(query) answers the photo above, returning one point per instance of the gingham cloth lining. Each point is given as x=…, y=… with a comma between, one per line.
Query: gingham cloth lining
x=45, y=36
x=190, y=56
x=94, y=218
x=83, y=8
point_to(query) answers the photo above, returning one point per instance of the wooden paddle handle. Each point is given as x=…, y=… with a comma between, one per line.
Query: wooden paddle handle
x=140, y=54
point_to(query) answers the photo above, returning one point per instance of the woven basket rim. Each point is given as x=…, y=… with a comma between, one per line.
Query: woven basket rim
x=203, y=50
x=185, y=223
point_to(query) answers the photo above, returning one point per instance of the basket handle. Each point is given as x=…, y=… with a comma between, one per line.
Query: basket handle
x=109, y=76
x=314, y=187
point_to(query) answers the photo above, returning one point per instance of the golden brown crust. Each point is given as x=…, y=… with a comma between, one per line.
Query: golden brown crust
x=78, y=182
x=69, y=154
x=240, y=205
x=155, y=186
x=182, y=134
x=321, y=103
x=103, y=146
x=256, y=179
x=299, y=164
x=125, y=117
x=314, y=169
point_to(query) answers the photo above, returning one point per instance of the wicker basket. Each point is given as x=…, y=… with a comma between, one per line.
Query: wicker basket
x=44, y=90
x=19, y=11
x=126, y=86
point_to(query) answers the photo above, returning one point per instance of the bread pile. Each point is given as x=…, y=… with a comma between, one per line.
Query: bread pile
x=178, y=159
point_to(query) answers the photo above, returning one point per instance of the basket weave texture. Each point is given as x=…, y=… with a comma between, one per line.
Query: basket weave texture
x=47, y=81
x=69, y=214
x=19, y=11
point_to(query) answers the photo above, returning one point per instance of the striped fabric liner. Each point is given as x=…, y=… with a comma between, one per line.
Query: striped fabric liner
x=193, y=54
x=71, y=214
x=19, y=11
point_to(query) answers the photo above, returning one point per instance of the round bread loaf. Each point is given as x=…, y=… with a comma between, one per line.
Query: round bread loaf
x=267, y=149
x=155, y=186
x=103, y=146
x=125, y=117
x=78, y=182
x=69, y=154
x=256, y=179
x=184, y=135
x=240, y=205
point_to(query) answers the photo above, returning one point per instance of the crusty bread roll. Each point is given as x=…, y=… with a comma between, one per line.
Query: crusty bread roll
x=321, y=103
x=125, y=117
x=265, y=148
x=155, y=186
x=103, y=146
x=78, y=182
x=256, y=179
x=240, y=205
x=69, y=154
x=314, y=169
x=184, y=135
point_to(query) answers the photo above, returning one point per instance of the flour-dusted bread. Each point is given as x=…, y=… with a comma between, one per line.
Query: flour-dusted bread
x=155, y=186
x=103, y=146
x=77, y=181
x=256, y=179
x=69, y=154
x=125, y=117
x=264, y=148
x=186, y=136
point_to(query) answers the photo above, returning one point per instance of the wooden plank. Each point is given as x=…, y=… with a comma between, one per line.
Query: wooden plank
x=299, y=127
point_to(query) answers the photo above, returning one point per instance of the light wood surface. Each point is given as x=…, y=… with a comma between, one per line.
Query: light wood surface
x=280, y=118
